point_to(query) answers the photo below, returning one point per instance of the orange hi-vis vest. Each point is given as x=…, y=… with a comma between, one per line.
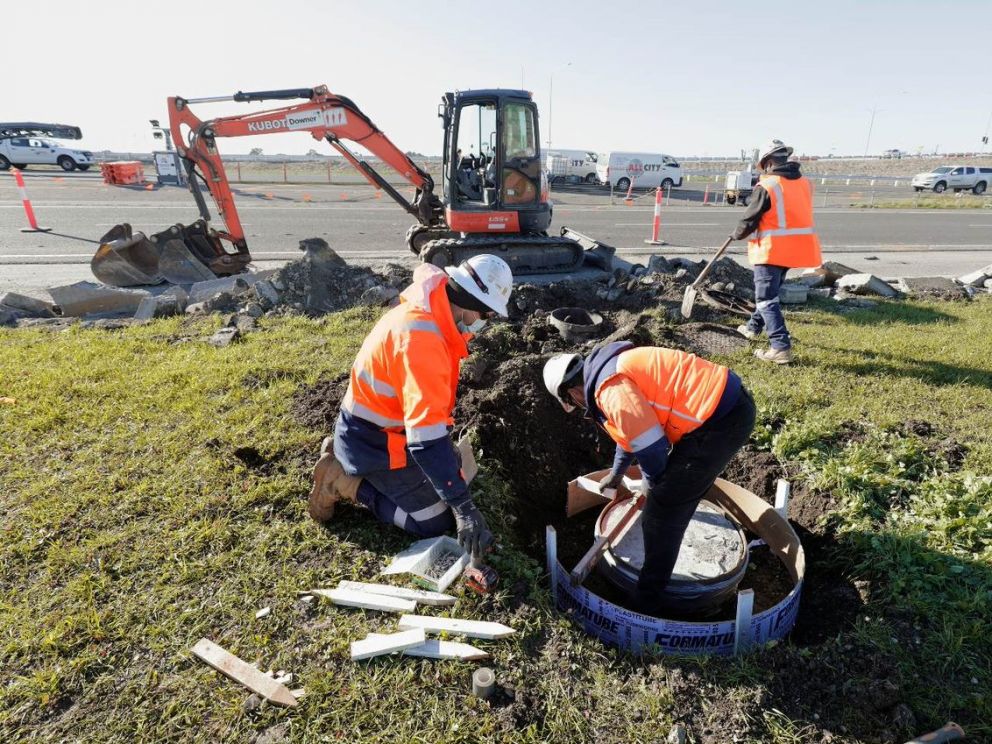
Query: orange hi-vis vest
x=785, y=235
x=682, y=390
x=403, y=382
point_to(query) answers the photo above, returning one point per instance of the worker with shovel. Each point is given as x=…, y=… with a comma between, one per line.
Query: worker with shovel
x=681, y=417
x=779, y=220
x=391, y=450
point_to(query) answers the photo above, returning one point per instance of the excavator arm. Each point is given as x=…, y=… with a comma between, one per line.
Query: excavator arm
x=324, y=116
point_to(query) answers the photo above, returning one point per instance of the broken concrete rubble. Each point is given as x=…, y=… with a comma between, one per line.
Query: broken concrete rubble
x=88, y=298
x=866, y=284
x=933, y=287
x=793, y=294
x=30, y=306
x=224, y=337
x=211, y=288
x=828, y=272
x=977, y=278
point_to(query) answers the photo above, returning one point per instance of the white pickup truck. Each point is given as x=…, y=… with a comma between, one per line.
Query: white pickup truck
x=23, y=151
x=959, y=178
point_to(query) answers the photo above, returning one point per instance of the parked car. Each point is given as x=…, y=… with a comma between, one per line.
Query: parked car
x=23, y=151
x=959, y=178
x=892, y=154
x=646, y=170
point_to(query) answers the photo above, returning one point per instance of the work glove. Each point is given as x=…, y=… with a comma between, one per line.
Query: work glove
x=610, y=480
x=473, y=532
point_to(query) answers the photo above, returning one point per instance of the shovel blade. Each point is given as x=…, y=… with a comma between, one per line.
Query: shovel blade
x=688, y=300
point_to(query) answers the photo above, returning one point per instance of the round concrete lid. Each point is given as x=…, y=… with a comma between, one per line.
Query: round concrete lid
x=713, y=546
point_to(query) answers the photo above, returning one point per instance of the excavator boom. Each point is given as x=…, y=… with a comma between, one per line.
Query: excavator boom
x=323, y=115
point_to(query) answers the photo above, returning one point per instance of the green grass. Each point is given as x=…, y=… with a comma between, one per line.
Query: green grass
x=930, y=201
x=131, y=529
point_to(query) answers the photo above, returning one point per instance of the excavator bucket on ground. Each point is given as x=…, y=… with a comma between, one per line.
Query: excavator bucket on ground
x=126, y=259
x=180, y=254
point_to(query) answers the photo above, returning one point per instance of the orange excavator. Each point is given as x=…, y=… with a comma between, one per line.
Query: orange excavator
x=494, y=196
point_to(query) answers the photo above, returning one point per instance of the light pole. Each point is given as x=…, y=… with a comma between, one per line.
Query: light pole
x=985, y=137
x=871, y=124
x=158, y=132
x=551, y=88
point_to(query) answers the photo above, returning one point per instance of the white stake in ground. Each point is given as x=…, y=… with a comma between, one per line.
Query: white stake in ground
x=366, y=600
x=420, y=596
x=380, y=645
x=470, y=628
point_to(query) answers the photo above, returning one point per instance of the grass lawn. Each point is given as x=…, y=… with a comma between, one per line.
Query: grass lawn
x=153, y=492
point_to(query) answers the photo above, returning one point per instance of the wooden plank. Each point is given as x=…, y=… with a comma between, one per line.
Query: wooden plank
x=241, y=671
x=603, y=543
x=366, y=600
x=434, y=648
x=380, y=645
x=420, y=596
x=470, y=628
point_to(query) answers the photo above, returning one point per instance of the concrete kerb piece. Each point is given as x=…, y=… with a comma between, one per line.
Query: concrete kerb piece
x=89, y=298
x=866, y=284
x=975, y=278
x=634, y=631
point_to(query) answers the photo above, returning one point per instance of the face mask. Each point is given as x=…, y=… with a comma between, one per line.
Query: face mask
x=472, y=328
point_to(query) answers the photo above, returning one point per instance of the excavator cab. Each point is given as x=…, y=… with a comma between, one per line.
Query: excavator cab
x=493, y=179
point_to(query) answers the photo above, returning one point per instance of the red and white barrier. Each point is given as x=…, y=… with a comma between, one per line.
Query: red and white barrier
x=629, y=199
x=28, y=209
x=656, y=224
x=706, y=195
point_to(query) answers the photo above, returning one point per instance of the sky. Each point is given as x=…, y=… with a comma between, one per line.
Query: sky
x=701, y=78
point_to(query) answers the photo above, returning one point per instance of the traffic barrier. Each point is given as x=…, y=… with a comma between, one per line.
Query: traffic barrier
x=28, y=209
x=122, y=172
x=706, y=195
x=656, y=224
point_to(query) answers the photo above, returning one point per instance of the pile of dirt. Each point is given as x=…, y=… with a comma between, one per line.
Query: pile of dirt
x=323, y=282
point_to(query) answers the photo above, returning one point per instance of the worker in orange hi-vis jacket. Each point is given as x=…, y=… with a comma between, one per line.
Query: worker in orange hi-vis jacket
x=391, y=450
x=681, y=417
x=779, y=220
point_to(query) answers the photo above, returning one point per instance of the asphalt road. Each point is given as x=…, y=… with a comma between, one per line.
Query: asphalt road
x=79, y=208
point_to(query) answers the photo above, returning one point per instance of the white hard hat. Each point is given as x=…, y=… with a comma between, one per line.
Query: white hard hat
x=773, y=147
x=487, y=278
x=558, y=370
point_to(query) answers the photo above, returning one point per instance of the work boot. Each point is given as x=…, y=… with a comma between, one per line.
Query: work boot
x=330, y=484
x=776, y=356
x=747, y=332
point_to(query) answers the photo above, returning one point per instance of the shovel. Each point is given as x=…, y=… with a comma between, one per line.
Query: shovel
x=690, y=293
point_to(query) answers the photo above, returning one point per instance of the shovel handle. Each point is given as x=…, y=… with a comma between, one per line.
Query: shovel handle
x=706, y=269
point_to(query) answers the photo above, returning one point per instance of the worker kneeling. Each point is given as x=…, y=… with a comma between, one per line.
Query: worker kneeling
x=681, y=417
x=392, y=451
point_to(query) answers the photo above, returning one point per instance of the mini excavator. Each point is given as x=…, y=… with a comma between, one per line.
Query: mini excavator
x=494, y=196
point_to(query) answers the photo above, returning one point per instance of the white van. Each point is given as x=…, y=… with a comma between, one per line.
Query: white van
x=564, y=163
x=646, y=170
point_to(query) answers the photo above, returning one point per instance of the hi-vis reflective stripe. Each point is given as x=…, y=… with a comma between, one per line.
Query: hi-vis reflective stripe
x=784, y=231
x=420, y=325
x=429, y=512
x=382, y=388
x=779, y=203
x=399, y=518
x=652, y=435
x=681, y=415
x=420, y=434
x=368, y=414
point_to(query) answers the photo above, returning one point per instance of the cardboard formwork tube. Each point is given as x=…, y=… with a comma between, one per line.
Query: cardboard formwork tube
x=631, y=630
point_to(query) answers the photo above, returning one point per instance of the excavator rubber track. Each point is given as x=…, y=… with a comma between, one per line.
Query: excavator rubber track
x=525, y=254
